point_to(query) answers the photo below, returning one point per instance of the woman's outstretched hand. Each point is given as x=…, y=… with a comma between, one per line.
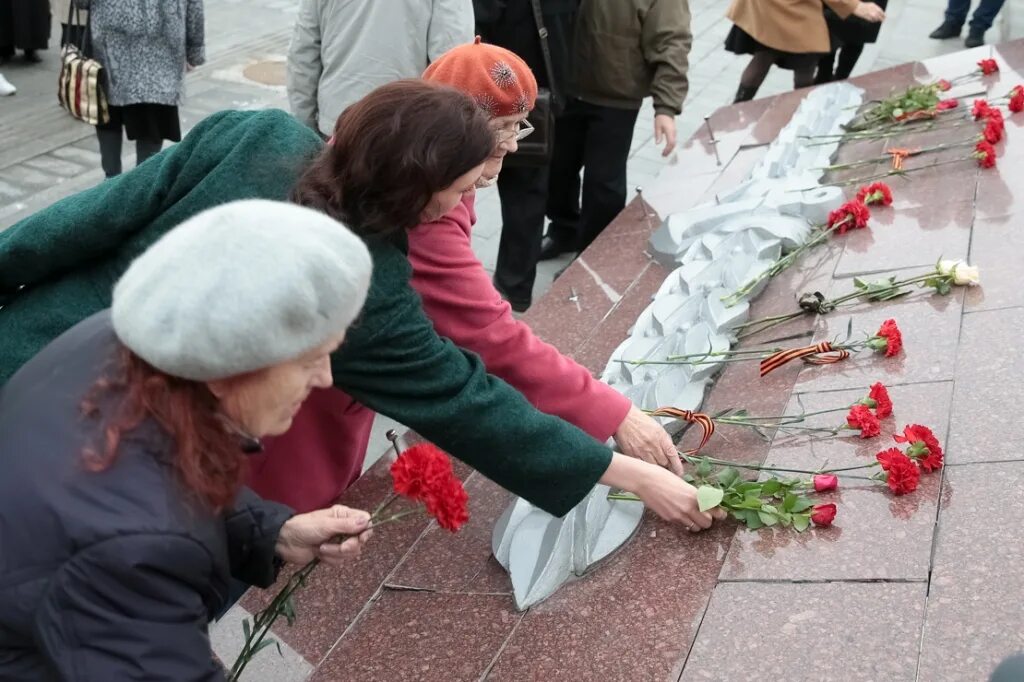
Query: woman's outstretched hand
x=307, y=536
x=669, y=496
x=641, y=436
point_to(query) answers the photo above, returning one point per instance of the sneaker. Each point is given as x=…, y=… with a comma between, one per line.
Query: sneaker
x=947, y=30
x=5, y=87
x=975, y=38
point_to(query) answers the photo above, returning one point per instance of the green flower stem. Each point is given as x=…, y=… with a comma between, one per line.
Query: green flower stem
x=891, y=173
x=265, y=619
x=888, y=157
x=690, y=459
x=891, y=129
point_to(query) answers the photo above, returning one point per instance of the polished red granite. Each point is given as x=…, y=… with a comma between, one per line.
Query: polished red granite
x=921, y=587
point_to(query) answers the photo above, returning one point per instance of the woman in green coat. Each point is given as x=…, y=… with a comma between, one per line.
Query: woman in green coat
x=57, y=267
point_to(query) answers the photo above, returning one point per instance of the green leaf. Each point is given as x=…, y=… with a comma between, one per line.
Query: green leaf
x=767, y=519
x=801, y=504
x=749, y=487
x=753, y=520
x=246, y=629
x=288, y=610
x=788, y=502
x=704, y=468
x=689, y=478
x=727, y=477
x=263, y=645
x=785, y=518
x=751, y=502
x=708, y=497
x=801, y=522
x=279, y=652
x=771, y=486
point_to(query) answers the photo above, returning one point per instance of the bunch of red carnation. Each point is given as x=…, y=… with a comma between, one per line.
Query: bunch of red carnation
x=902, y=470
x=860, y=415
x=988, y=66
x=1016, y=96
x=888, y=338
x=875, y=193
x=424, y=473
x=853, y=215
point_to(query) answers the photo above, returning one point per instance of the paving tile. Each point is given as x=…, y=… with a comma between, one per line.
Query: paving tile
x=460, y=562
x=614, y=328
x=973, y=617
x=930, y=325
x=876, y=535
x=997, y=247
x=422, y=636
x=998, y=193
x=333, y=598
x=56, y=166
x=906, y=238
x=989, y=363
x=633, y=617
x=618, y=257
x=837, y=631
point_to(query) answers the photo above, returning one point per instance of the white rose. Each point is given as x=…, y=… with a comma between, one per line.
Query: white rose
x=962, y=273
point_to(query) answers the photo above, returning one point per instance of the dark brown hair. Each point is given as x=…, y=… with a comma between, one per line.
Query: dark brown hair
x=207, y=456
x=392, y=151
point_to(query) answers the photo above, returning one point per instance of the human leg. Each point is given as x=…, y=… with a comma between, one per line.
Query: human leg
x=523, y=192
x=110, y=149
x=563, y=197
x=848, y=57
x=145, y=149
x=604, y=169
x=753, y=76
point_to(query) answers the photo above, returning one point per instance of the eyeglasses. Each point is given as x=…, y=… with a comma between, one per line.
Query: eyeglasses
x=522, y=129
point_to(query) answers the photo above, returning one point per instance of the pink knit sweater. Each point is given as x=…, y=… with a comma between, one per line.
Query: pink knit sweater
x=323, y=452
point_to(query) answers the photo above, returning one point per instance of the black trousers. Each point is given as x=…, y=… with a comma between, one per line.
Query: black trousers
x=595, y=139
x=523, y=192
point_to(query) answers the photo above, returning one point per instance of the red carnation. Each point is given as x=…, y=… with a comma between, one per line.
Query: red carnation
x=424, y=473
x=825, y=482
x=944, y=85
x=823, y=514
x=902, y=473
x=988, y=66
x=993, y=131
x=853, y=215
x=925, y=447
x=947, y=104
x=1017, y=99
x=980, y=109
x=892, y=336
x=883, y=404
x=875, y=193
x=860, y=417
x=985, y=153
x=448, y=505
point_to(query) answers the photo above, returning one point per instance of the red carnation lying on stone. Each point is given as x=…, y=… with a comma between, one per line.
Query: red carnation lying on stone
x=993, y=131
x=853, y=215
x=860, y=417
x=988, y=66
x=985, y=153
x=902, y=475
x=880, y=395
x=887, y=338
x=924, y=448
x=944, y=84
x=1016, y=104
x=875, y=193
x=980, y=109
x=947, y=104
x=823, y=514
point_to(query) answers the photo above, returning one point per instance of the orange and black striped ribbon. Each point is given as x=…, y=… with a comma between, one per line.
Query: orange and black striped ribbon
x=815, y=355
x=698, y=418
x=898, y=155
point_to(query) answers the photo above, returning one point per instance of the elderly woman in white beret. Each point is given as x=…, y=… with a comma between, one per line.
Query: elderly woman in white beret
x=122, y=515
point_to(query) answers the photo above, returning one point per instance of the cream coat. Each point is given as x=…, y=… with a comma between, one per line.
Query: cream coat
x=796, y=26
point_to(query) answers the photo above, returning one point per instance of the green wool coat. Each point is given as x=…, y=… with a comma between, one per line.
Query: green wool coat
x=59, y=266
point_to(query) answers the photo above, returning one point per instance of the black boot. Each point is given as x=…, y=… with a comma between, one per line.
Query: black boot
x=744, y=94
x=948, y=29
x=975, y=38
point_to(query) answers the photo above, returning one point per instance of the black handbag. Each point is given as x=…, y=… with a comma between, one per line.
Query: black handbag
x=536, y=150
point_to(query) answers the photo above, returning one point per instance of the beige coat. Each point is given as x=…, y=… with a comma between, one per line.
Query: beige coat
x=796, y=26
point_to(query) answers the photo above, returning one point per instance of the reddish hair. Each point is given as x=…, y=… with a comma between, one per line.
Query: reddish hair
x=392, y=151
x=207, y=456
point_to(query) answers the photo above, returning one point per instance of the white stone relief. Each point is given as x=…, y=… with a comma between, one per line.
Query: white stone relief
x=712, y=249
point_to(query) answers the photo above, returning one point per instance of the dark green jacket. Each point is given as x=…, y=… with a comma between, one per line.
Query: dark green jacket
x=69, y=256
x=625, y=50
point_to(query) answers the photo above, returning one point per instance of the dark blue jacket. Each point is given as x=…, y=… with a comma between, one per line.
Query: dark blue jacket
x=113, y=575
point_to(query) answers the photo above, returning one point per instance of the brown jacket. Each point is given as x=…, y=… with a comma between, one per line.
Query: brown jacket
x=796, y=26
x=625, y=50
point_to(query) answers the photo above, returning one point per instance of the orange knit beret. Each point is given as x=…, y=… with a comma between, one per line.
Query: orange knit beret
x=500, y=82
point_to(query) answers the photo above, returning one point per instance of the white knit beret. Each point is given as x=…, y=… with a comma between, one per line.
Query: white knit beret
x=241, y=287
